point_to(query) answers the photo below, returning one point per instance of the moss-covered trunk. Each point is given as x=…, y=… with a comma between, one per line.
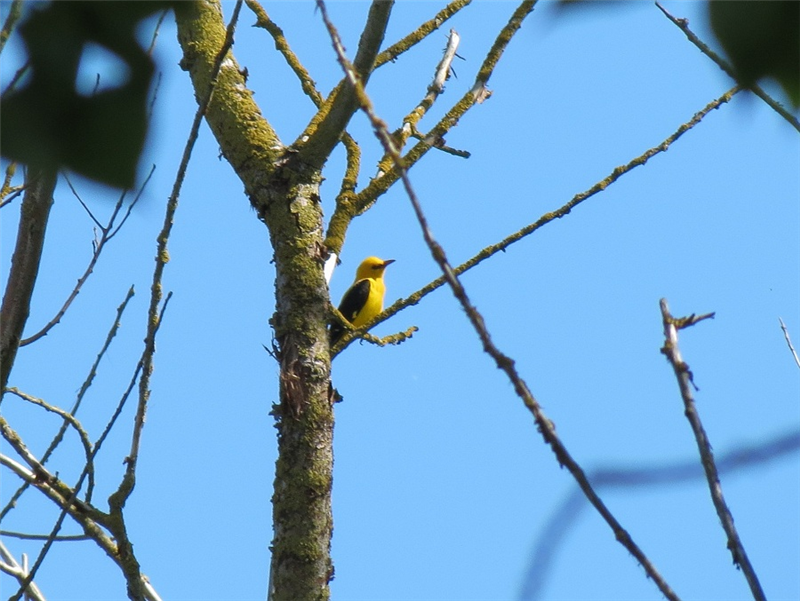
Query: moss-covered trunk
x=301, y=565
x=285, y=194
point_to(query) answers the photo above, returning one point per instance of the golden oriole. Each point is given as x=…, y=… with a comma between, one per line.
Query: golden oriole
x=364, y=299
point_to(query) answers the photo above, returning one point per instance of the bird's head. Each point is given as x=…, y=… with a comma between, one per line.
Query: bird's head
x=372, y=267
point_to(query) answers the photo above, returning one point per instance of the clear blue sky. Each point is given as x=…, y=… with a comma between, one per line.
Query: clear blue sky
x=442, y=484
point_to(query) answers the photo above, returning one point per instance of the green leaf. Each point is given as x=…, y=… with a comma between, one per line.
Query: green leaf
x=48, y=123
x=762, y=39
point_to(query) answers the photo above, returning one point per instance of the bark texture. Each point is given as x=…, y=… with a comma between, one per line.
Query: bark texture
x=285, y=193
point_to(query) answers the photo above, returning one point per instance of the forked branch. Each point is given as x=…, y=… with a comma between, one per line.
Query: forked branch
x=685, y=384
x=505, y=363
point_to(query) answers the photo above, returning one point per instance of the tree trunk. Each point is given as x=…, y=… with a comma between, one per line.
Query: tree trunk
x=285, y=193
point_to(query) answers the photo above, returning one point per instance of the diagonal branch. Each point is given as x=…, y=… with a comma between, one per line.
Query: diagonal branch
x=789, y=342
x=685, y=383
x=34, y=213
x=10, y=566
x=476, y=95
x=739, y=459
x=348, y=204
x=14, y=13
x=108, y=232
x=505, y=363
x=326, y=128
x=420, y=33
x=562, y=211
x=683, y=25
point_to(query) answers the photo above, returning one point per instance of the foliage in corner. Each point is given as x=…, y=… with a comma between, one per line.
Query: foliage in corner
x=48, y=123
x=762, y=39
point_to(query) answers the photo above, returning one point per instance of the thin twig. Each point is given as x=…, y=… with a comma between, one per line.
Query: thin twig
x=162, y=257
x=108, y=233
x=789, y=342
x=11, y=566
x=545, y=426
x=68, y=419
x=435, y=89
x=562, y=211
x=15, y=80
x=14, y=13
x=685, y=383
x=73, y=411
x=683, y=25
x=7, y=191
x=27, y=536
x=156, y=30
x=638, y=479
x=420, y=33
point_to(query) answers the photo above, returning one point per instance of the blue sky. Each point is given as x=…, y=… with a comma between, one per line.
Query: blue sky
x=441, y=482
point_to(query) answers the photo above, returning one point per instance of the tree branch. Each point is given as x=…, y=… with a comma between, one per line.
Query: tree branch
x=10, y=566
x=506, y=364
x=108, y=232
x=562, y=211
x=420, y=33
x=34, y=213
x=632, y=479
x=476, y=95
x=324, y=131
x=789, y=342
x=685, y=383
x=14, y=13
x=683, y=25
x=348, y=204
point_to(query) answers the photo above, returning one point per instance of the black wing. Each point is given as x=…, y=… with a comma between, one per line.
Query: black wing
x=352, y=302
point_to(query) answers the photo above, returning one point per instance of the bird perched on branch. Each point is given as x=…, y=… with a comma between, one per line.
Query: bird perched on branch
x=364, y=299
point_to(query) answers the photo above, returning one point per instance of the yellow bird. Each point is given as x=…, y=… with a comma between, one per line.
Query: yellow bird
x=364, y=299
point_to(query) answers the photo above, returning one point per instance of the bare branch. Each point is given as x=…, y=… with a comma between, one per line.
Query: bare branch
x=545, y=426
x=7, y=191
x=10, y=566
x=62, y=538
x=119, y=549
x=683, y=25
x=558, y=524
x=476, y=95
x=562, y=211
x=789, y=342
x=86, y=384
x=349, y=204
x=420, y=33
x=17, y=76
x=162, y=255
x=34, y=213
x=435, y=89
x=14, y=13
x=326, y=128
x=685, y=378
x=282, y=45
x=68, y=419
x=108, y=232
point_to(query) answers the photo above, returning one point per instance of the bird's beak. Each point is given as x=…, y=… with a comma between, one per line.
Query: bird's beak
x=388, y=262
